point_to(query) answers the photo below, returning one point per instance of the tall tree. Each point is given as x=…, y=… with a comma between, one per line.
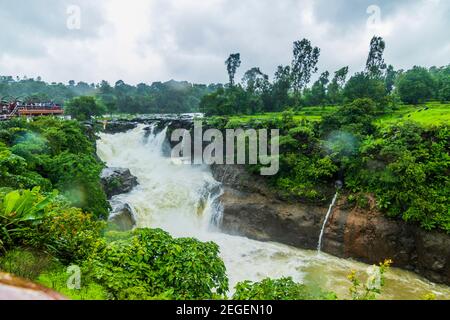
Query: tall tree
x=304, y=63
x=318, y=93
x=233, y=63
x=375, y=64
x=254, y=79
x=336, y=86
x=361, y=85
x=84, y=108
x=280, y=89
x=391, y=76
x=416, y=85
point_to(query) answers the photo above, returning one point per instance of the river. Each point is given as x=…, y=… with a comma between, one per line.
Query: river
x=183, y=200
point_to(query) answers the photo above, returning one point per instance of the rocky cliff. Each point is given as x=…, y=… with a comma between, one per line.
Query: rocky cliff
x=252, y=209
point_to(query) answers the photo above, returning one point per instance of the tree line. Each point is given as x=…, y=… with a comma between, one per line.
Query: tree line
x=159, y=97
x=291, y=88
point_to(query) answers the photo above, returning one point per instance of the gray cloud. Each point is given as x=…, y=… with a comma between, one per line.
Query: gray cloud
x=143, y=40
x=28, y=25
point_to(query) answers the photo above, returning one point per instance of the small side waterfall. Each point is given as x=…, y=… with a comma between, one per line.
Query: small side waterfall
x=327, y=217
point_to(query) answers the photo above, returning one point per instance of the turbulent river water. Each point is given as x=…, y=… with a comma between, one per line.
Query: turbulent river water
x=183, y=200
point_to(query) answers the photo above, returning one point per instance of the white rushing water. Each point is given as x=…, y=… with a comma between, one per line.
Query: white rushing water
x=183, y=200
x=327, y=217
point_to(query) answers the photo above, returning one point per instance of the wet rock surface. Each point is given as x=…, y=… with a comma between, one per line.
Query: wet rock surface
x=117, y=181
x=113, y=127
x=122, y=216
x=369, y=236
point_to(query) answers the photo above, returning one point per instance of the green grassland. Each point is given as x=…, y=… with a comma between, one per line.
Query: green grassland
x=433, y=113
x=307, y=113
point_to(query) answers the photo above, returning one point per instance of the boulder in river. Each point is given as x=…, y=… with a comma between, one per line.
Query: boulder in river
x=122, y=217
x=117, y=181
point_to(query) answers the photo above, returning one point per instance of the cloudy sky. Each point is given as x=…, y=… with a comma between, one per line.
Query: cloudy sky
x=153, y=40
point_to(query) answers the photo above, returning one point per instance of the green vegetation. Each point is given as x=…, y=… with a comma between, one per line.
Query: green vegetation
x=84, y=108
x=427, y=114
x=27, y=264
x=406, y=167
x=57, y=280
x=280, y=289
x=403, y=164
x=372, y=288
x=416, y=86
x=150, y=264
x=52, y=154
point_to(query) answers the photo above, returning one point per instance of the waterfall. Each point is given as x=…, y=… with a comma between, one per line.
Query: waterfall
x=327, y=217
x=184, y=200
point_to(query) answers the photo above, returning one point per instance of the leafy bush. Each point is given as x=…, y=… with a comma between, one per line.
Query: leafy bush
x=415, y=86
x=14, y=172
x=84, y=108
x=150, y=263
x=69, y=234
x=356, y=118
x=20, y=212
x=407, y=168
x=26, y=263
x=364, y=86
x=77, y=176
x=280, y=289
x=52, y=153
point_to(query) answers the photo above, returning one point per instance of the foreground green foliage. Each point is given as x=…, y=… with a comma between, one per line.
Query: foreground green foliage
x=52, y=154
x=151, y=264
x=57, y=279
x=20, y=212
x=280, y=289
x=143, y=264
x=371, y=289
x=27, y=263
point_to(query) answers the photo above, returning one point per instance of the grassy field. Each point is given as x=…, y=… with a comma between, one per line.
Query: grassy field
x=433, y=113
x=309, y=113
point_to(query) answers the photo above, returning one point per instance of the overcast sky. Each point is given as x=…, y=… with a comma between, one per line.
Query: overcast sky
x=158, y=40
